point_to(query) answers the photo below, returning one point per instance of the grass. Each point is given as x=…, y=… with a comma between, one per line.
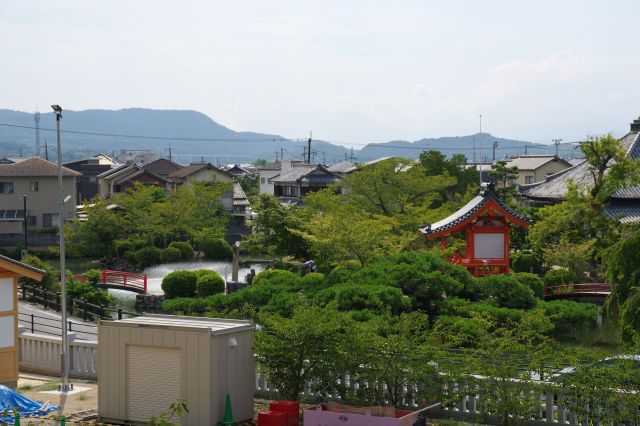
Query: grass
x=82, y=397
x=25, y=388
x=49, y=386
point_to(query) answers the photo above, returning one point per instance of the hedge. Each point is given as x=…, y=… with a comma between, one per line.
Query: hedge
x=186, y=251
x=171, y=255
x=208, y=283
x=216, y=249
x=148, y=256
x=179, y=284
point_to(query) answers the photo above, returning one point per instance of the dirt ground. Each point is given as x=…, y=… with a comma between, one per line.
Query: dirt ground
x=75, y=404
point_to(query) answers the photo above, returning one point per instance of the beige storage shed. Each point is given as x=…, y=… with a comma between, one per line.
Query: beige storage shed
x=146, y=363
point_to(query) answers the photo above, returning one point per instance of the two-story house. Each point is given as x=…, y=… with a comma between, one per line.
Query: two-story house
x=37, y=179
x=90, y=168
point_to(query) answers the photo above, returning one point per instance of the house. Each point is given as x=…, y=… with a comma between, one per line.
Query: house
x=124, y=177
x=37, y=179
x=137, y=156
x=343, y=168
x=624, y=204
x=90, y=168
x=534, y=168
x=234, y=201
x=240, y=170
x=270, y=170
x=297, y=181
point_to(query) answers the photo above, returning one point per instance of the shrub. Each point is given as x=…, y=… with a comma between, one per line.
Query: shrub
x=50, y=281
x=216, y=249
x=339, y=274
x=93, y=276
x=88, y=291
x=148, y=256
x=171, y=255
x=208, y=283
x=186, y=251
x=532, y=281
x=559, y=277
x=123, y=246
x=130, y=256
x=277, y=277
x=526, y=262
x=179, y=284
x=507, y=291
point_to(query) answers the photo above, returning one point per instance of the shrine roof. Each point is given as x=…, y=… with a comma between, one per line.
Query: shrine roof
x=468, y=211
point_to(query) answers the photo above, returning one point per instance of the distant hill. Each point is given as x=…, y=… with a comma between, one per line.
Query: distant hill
x=206, y=139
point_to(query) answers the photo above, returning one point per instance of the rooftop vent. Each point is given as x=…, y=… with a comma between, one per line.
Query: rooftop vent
x=635, y=126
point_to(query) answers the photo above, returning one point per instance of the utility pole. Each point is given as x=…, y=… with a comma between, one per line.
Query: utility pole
x=309, y=148
x=24, y=215
x=170, y=157
x=525, y=148
x=304, y=154
x=556, y=142
x=276, y=156
x=480, y=152
x=352, y=157
x=36, y=118
x=324, y=158
x=494, y=146
x=46, y=150
x=63, y=273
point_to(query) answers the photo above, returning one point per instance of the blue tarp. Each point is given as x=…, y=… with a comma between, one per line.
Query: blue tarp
x=10, y=400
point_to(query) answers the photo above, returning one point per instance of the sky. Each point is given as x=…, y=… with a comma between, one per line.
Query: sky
x=352, y=71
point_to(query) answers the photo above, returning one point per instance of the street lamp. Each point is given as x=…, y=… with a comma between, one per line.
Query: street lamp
x=24, y=215
x=64, y=355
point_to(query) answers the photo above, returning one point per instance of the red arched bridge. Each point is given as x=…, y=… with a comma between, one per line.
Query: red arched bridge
x=577, y=290
x=120, y=280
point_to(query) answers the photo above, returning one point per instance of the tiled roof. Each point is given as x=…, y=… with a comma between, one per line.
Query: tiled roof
x=194, y=168
x=117, y=170
x=140, y=172
x=625, y=213
x=554, y=187
x=239, y=197
x=34, y=166
x=301, y=172
x=534, y=162
x=23, y=265
x=342, y=167
x=469, y=210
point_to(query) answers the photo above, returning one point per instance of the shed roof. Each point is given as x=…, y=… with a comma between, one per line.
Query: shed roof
x=214, y=325
x=20, y=268
x=473, y=207
x=34, y=166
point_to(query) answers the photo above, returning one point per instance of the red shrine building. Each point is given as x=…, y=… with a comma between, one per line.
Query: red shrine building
x=485, y=221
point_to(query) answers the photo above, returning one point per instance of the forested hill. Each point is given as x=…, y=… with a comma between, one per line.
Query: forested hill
x=205, y=138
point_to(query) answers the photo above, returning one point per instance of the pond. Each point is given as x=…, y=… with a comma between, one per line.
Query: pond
x=155, y=274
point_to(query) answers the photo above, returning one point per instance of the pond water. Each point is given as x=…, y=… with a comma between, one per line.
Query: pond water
x=155, y=274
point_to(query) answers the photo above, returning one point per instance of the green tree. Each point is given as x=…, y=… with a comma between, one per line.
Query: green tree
x=505, y=176
x=96, y=235
x=277, y=228
x=309, y=347
x=435, y=163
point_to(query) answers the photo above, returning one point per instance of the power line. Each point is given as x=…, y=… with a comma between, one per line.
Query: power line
x=380, y=145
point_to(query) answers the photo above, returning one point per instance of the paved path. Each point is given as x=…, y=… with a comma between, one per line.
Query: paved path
x=49, y=322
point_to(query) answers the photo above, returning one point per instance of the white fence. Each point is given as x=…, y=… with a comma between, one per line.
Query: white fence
x=41, y=354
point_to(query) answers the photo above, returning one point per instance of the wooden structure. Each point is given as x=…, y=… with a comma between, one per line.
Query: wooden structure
x=485, y=220
x=146, y=363
x=10, y=270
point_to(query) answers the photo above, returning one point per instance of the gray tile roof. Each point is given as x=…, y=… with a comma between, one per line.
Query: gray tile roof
x=467, y=211
x=625, y=213
x=342, y=167
x=34, y=166
x=296, y=172
x=24, y=265
x=239, y=196
x=554, y=187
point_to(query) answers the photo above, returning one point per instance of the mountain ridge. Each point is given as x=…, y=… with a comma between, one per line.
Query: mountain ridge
x=197, y=137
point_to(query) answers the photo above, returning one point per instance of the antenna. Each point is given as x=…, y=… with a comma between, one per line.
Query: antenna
x=36, y=118
x=556, y=142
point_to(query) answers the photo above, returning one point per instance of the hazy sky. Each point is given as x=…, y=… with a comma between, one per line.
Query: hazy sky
x=352, y=71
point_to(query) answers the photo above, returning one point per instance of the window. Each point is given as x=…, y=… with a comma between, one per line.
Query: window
x=528, y=180
x=6, y=187
x=33, y=220
x=262, y=180
x=93, y=179
x=33, y=186
x=50, y=219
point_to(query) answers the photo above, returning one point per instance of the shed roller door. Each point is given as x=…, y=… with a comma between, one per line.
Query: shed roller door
x=154, y=381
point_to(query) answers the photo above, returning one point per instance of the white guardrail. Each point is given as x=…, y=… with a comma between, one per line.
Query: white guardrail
x=41, y=354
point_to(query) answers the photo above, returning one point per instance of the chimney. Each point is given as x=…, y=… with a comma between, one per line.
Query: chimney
x=635, y=126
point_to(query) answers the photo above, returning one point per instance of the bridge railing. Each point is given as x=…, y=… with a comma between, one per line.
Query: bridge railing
x=124, y=280
x=577, y=289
